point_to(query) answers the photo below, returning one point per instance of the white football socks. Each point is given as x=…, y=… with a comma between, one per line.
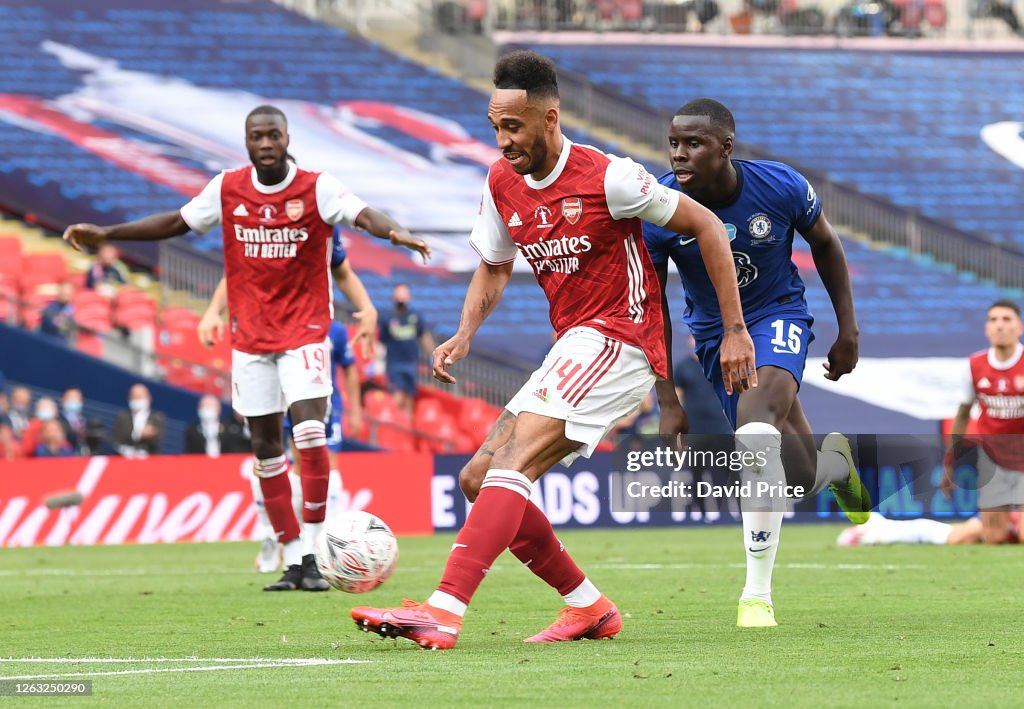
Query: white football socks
x=584, y=595
x=310, y=530
x=293, y=552
x=762, y=516
x=447, y=602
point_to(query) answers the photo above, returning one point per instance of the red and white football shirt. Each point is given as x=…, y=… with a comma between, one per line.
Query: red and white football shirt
x=277, y=251
x=580, y=230
x=998, y=388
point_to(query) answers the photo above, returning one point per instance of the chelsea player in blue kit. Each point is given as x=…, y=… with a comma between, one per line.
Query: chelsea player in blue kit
x=762, y=205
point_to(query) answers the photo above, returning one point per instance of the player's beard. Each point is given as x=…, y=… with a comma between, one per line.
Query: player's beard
x=538, y=153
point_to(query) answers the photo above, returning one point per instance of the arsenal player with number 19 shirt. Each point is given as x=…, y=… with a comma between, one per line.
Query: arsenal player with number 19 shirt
x=278, y=222
x=575, y=214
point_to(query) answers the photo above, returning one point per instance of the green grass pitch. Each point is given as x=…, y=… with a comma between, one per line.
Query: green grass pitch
x=914, y=626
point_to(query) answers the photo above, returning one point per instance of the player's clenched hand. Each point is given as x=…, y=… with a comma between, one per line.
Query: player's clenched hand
x=673, y=423
x=79, y=235
x=842, y=357
x=739, y=369
x=948, y=483
x=403, y=238
x=366, y=330
x=446, y=354
x=211, y=329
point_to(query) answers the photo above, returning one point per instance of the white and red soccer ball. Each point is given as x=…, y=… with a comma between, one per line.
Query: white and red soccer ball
x=356, y=552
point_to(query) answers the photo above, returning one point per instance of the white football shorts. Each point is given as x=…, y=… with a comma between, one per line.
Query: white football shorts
x=588, y=380
x=998, y=487
x=264, y=384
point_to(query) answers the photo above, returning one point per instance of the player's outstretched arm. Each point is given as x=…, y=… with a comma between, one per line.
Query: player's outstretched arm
x=673, y=420
x=739, y=369
x=384, y=227
x=153, y=228
x=211, y=325
x=830, y=261
x=482, y=296
x=365, y=314
x=948, y=482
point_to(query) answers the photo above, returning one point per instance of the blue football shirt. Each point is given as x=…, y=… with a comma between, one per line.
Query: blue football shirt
x=772, y=202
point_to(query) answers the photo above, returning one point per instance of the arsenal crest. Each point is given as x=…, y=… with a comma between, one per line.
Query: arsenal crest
x=572, y=209
x=294, y=209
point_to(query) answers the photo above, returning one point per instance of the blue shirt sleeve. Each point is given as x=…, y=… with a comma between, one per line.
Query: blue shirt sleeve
x=338, y=254
x=806, y=205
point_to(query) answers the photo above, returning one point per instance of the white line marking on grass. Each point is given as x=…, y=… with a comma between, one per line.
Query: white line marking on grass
x=842, y=567
x=246, y=664
x=124, y=572
x=129, y=660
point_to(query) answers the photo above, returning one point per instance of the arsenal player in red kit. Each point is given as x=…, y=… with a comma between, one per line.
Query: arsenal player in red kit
x=994, y=379
x=575, y=214
x=278, y=222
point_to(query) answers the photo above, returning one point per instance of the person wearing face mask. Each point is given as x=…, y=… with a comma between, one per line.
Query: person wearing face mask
x=46, y=410
x=403, y=332
x=72, y=419
x=139, y=431
x=203, y=437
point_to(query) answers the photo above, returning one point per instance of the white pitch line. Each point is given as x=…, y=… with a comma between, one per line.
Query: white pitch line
x=211, y=668
x=129, y=660
x=841, y=567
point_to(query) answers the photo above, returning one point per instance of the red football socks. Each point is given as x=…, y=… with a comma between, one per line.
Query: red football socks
x=492, y=524
x=539, y=549
x=277, y=497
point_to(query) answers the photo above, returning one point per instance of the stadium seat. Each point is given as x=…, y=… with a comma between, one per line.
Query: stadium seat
x=10, y=255
x=89, y=343
x=390, y=426
x=48, y=267
x=476, y=418
x=92, y=311
x=443, y=436
x=31, y=309
x=134, y=309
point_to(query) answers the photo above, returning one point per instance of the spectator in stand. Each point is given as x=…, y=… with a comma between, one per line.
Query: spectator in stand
x=21, y=405
x=8, y=445
x=139, y=431
x=108, y=272
x=73, y=420
x=403, y=332
x=52, y=443
x=211, y=436
x=46, y=410
x=56, y=318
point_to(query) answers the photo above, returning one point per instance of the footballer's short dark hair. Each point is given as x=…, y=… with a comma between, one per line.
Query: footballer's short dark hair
x=720, y=116
x=1005, y=303
x=266, y=110
x=529, y=71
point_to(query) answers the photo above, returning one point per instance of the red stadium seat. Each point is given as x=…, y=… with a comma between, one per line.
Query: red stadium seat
x=476, y=418
x=92, y=311
x=10, y=255
x=89, y=343
x=51, y=266
x=9, y=297
x=444, y=437
x=32, y=309
x=134, y=309
x=389, y=423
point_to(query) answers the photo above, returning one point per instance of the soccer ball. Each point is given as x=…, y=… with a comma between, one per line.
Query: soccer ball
x=356, y=552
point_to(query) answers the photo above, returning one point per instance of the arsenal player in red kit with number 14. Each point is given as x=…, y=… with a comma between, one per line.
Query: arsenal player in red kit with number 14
x=278, y=223
x=575, y=214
